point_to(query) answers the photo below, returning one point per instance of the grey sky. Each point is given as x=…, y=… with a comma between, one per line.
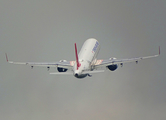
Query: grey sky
x=45, y=31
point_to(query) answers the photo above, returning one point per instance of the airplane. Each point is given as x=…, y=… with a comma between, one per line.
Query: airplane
x=86, y=62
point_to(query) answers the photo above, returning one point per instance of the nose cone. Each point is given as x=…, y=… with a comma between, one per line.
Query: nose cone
x=78, y=74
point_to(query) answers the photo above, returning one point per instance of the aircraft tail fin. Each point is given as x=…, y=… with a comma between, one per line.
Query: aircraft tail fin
x=77, y=61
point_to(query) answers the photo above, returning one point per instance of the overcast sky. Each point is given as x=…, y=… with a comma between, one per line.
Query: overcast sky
x=46, y=30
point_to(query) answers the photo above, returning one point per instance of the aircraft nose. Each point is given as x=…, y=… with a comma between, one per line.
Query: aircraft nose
x=76, y=75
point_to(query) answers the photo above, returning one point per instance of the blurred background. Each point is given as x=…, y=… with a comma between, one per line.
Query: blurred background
x=45, y=31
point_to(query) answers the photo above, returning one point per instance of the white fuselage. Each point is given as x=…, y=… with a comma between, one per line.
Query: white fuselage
x=87, y=57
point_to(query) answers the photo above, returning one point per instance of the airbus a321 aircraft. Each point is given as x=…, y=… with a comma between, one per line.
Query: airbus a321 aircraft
x=86, y=62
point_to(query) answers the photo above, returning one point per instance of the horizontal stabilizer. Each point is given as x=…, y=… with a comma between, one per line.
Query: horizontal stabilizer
x=62, y=73
x=89, y=72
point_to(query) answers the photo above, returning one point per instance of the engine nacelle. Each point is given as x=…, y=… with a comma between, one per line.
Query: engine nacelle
x=113, y=58
x=63, y=61
x=61, y=69
x=112, y=67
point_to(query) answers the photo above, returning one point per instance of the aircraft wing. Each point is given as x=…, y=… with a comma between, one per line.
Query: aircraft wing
x=101, y=63
x=64, y=64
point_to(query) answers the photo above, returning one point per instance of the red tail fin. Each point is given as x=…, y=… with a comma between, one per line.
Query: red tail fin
x=6, y=57
x=78, y=64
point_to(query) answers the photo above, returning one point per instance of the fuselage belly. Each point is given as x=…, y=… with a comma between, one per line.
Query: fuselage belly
x=87, y=56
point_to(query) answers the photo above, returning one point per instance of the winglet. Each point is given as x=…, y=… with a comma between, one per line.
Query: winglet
x=78, y=64
x=6, y=57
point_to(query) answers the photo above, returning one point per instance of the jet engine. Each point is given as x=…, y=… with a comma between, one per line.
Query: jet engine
x=113, y=58
x=63, y=61
x=112, y=67
x=60, y=69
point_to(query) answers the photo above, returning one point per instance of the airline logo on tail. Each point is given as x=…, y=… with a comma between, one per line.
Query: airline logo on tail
x=95, y=47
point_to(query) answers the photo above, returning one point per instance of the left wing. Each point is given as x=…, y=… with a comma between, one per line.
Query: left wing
x=64, y=64
x=101, y=63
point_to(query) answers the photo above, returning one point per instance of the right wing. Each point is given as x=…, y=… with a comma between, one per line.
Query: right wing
x=63, y=64
x=101, y=63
